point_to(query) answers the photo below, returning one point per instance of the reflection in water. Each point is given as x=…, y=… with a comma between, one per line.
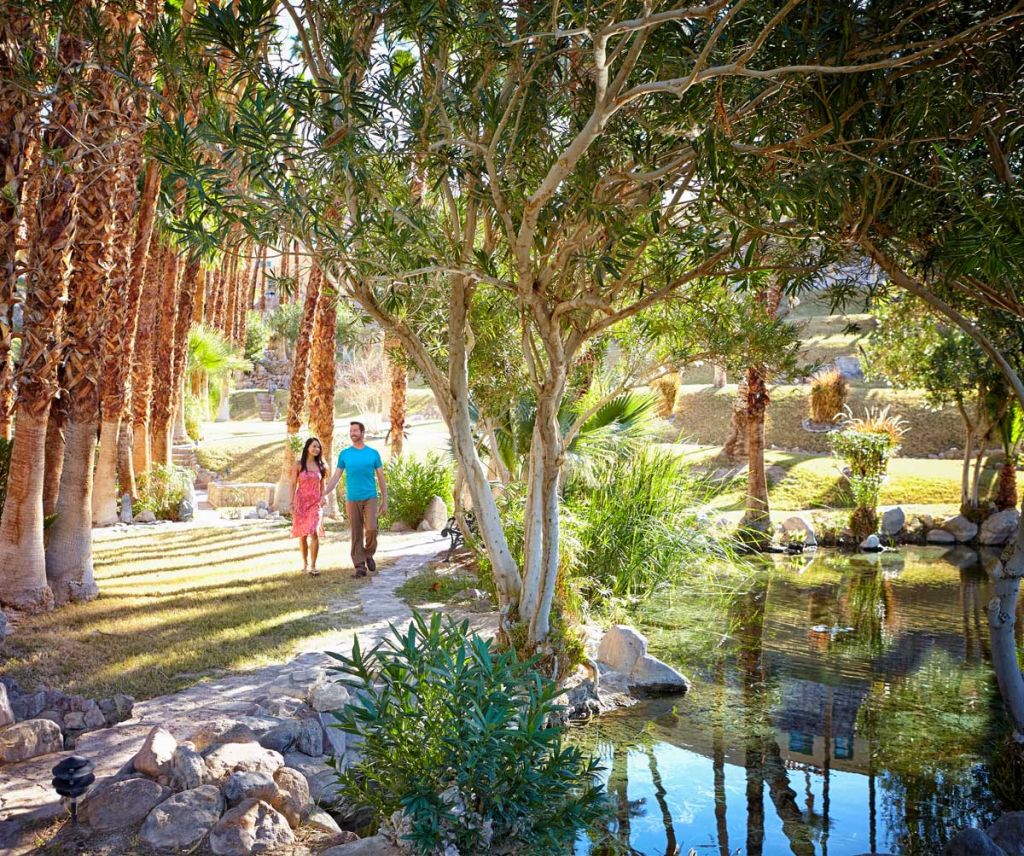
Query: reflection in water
x=864, y=682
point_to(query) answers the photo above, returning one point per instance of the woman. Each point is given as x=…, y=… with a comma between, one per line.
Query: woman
x=307, y=516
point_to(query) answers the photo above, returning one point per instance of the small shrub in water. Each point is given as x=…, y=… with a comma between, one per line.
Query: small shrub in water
x=412, y=482
x=455, y=735
x=828, y=396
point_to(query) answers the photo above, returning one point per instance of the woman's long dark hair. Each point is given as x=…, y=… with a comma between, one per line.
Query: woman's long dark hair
x=319, y=459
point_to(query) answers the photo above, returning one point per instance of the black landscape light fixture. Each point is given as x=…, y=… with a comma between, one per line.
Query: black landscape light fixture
x=72, y=778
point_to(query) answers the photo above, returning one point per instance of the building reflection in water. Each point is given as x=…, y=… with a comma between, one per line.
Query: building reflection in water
x=848, y=713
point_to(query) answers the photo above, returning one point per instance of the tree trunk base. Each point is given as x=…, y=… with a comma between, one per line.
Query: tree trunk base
x=104, y=489
x=140, y=451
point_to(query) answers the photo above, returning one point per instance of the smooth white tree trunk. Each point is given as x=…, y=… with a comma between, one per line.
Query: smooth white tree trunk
x=69, y=569
x=22, y=559
x=104, y=488
x=1002, y=620
x=224, y=410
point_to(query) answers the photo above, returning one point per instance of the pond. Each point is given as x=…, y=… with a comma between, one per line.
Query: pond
x=840, y=705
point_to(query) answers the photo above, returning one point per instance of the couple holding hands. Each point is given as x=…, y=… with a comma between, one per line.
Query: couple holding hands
x=364, y=471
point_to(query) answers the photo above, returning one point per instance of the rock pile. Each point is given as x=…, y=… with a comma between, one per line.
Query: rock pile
x=44, y=720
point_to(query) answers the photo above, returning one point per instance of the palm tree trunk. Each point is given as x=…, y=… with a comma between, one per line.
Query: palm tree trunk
x=1006, y=496
x=142, y=366
x=22, y=559
x=56, y=422
x=321, y=379
x=756, y=517
x=191, y=281
x=297, y=392
x=163, y=368
x=69, y=567
x=399, y=388
x=735, y=447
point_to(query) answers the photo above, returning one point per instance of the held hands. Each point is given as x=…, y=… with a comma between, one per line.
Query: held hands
x=383, y=506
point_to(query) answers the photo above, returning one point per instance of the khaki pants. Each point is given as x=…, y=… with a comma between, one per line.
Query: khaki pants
x=362, y=519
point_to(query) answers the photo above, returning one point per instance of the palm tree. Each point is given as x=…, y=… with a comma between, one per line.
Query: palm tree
x=192, y=281
x=321, y=376
x=399, y=388
x=142, y=365
x=297, y=392
x=23, y=582
x=163, y=368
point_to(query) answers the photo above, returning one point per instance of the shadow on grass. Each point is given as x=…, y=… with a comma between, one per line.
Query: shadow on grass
x=241, y=604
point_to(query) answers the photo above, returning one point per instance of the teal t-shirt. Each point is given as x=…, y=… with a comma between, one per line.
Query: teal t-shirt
x=360, y=467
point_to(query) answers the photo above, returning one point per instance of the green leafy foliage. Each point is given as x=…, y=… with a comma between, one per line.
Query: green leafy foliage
x=162, y=488
x=458, y=737
x=866, y=448
x=412, y=481
x=257, y=336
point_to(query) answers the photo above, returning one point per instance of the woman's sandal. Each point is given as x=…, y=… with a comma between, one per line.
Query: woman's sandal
x=314, y=572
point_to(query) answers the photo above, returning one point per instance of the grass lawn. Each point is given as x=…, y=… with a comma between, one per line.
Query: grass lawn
x=175, y=607
x=243, y=403
x=814, y=482
x=433, y=587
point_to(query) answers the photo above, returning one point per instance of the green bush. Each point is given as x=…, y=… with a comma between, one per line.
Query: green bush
x=456, y=736
x=638, y=528
x=194, y=417
x=257, y=336
x=162, y=489
x=412, y=481
x=867, y=445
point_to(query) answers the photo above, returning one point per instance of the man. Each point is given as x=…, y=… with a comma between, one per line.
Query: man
x=361, y=463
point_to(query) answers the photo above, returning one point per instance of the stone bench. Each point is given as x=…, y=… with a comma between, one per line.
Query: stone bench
x=224, y=494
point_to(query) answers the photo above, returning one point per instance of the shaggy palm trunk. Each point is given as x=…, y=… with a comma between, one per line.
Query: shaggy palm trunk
x=1006, y=495
x=321, y=380
x=756, y=521
x=191, y=281
x=163, y=366
x=399, y=389
x=142, y=365
x=22, y=559
x=56, y=422
x=297, y=393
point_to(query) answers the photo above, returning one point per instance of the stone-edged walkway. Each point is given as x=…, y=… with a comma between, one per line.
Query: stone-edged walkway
x=26, y=795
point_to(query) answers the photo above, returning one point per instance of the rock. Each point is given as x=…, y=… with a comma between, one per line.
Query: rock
x=262, y=513
x=400, y=526
x=346, y=836
x=157, y=752
x=281, y=737
x=6, y=714
x=243, y=786
x=972, y=842
x=182, y=821
x=285, y=706
x=125, y=514
x=93, y=716
x=436, y=514
x=145, y=517
x=250, y=827
x=962, y=529
x=424, y=526
x=117, y=804
x=322, y=780
x=221, y=731
x=29, y=739
x=797, y=523
x=621, y=647
x=262, y=505
x=1008, y=833
x=29, y=705
x=940, y=536
x=320, y=819
x=74, y=721
x=334, y=738
x=227, y=758
x=871, y=544
x=310, y=737
x=653, y=677
x=377, y=845
x=469, y=594
x=1000, y=528
x=293, y=798
x=5, y=625
x=188, y=769
x=849, y=367
x=893, y=521
x=186, y=511
x=329, y=696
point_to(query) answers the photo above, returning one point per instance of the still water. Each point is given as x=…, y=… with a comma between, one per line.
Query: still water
x=840, y=705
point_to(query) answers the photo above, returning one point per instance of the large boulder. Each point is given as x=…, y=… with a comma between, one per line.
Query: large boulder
x=157, y=752
x=228, y=758
x=1008, y=832
x=293, y=799
x=250, y=827
x=281, y=737
x=871, y=544
x=181, y=822
x=961, y=528
x=321, y=778
x=798, y=523
x=121, y=803
x=436, y=515
x=893, y=521
x=377, y=845
x=335, y=741
x=652, y=677
x=621, y=647
x=972, y=842
x=29, y=739
x=243, y=786
x=1000, y=528
x=328, y=696
x=940, y=536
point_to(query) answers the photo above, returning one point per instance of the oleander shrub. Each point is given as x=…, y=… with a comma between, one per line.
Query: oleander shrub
x=412, y=481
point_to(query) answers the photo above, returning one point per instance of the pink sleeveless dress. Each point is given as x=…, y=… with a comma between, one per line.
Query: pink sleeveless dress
x=307, y=516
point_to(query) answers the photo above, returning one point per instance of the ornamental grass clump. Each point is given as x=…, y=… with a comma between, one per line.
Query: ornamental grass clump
x=828, y=396
x=665, y=389
x=456, y=738
x=866, y=445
